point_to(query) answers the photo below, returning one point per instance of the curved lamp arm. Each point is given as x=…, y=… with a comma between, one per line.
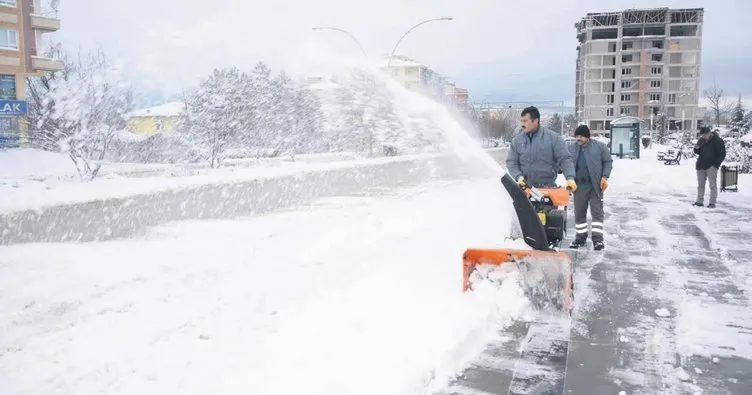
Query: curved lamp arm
x=408, y=32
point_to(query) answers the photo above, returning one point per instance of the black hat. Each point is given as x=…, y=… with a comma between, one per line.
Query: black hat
x=583, y=131
x=704, y=130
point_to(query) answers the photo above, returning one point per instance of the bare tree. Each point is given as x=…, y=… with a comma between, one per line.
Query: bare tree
x=570, y=124
x=555, y=123
x=79, y=109
x=509, y=120
x=718, y=103
x=45, y=131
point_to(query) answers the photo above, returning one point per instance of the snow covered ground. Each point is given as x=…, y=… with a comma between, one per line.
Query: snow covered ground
x=362, y=295
x=352, y=291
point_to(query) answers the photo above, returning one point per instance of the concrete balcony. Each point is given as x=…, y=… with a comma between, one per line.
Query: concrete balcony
x=46, y=64
x=45, y=23
x=10, y=61
x=7, y=17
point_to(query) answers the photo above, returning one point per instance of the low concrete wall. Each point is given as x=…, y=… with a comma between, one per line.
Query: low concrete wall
x=125, y=217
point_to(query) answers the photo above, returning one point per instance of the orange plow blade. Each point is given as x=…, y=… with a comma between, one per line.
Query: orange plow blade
x=545, y=276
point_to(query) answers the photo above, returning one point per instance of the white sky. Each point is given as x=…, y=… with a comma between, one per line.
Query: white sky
x=498, y=49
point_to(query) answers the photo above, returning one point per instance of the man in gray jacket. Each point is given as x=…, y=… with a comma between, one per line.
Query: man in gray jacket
x=593, y=165
x=536, y=155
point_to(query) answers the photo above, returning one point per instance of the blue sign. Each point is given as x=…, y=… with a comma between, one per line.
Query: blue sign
x=13, y=108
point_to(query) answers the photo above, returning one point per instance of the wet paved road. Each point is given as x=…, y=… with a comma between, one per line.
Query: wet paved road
x=663, y=310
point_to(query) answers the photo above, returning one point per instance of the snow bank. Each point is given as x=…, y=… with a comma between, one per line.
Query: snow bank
x=95, y=213
x=651, y=174
x=22, y=163
x=20, y=195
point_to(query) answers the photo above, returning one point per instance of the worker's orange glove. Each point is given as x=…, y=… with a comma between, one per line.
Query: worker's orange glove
x=604, y=184
x=572, y=185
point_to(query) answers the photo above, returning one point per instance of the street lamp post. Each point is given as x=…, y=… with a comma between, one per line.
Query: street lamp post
x=391, y=55
x=345, y=32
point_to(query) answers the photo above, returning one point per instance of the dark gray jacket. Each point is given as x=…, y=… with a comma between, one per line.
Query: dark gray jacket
x=539, y=157
x=598, y=160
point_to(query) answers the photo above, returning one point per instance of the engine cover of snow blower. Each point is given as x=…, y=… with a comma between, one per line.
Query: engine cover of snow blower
x=545, y=272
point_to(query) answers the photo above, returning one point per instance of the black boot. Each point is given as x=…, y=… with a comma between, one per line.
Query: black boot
x=598, y=245
x=578, y=242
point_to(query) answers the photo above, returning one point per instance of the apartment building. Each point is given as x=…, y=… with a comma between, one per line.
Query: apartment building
x=22, y=23
x=459, y=98
x=418, y=77
x=639, y=62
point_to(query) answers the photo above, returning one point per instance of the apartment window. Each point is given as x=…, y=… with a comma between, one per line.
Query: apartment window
x=658, y=44
x=655, y=97
x=656, y=70
x=610, y=99
x=625, y=111
x=655, y=84
x=626, y=84
x=626, y=97
x=8, y=39
x=626, y=71
x=626, y=45
x=610, y=112
x=626, y=58
x=672, y=98
x=656, y=57
x=9, y=3
x=7, y=86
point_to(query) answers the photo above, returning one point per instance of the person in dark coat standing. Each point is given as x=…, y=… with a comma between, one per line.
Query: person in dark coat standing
x=593, y=164
x=711, y=152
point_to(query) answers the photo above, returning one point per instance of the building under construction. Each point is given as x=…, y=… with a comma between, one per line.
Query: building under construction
x=638, y=63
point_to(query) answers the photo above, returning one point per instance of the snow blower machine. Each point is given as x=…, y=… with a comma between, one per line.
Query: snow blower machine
x=544, y=271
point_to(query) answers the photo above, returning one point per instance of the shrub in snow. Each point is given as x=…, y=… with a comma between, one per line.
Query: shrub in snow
x=739, y=124
x=233, y=112
x=158, y=148
x=645, y=141
x=739, y=154
x=362, y=113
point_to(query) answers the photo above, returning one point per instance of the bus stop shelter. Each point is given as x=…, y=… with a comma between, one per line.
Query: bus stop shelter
x=625, y=137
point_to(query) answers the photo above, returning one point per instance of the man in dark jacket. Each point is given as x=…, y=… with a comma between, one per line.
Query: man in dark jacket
x=536, y=155
x=593, y=164
x=711, y=152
